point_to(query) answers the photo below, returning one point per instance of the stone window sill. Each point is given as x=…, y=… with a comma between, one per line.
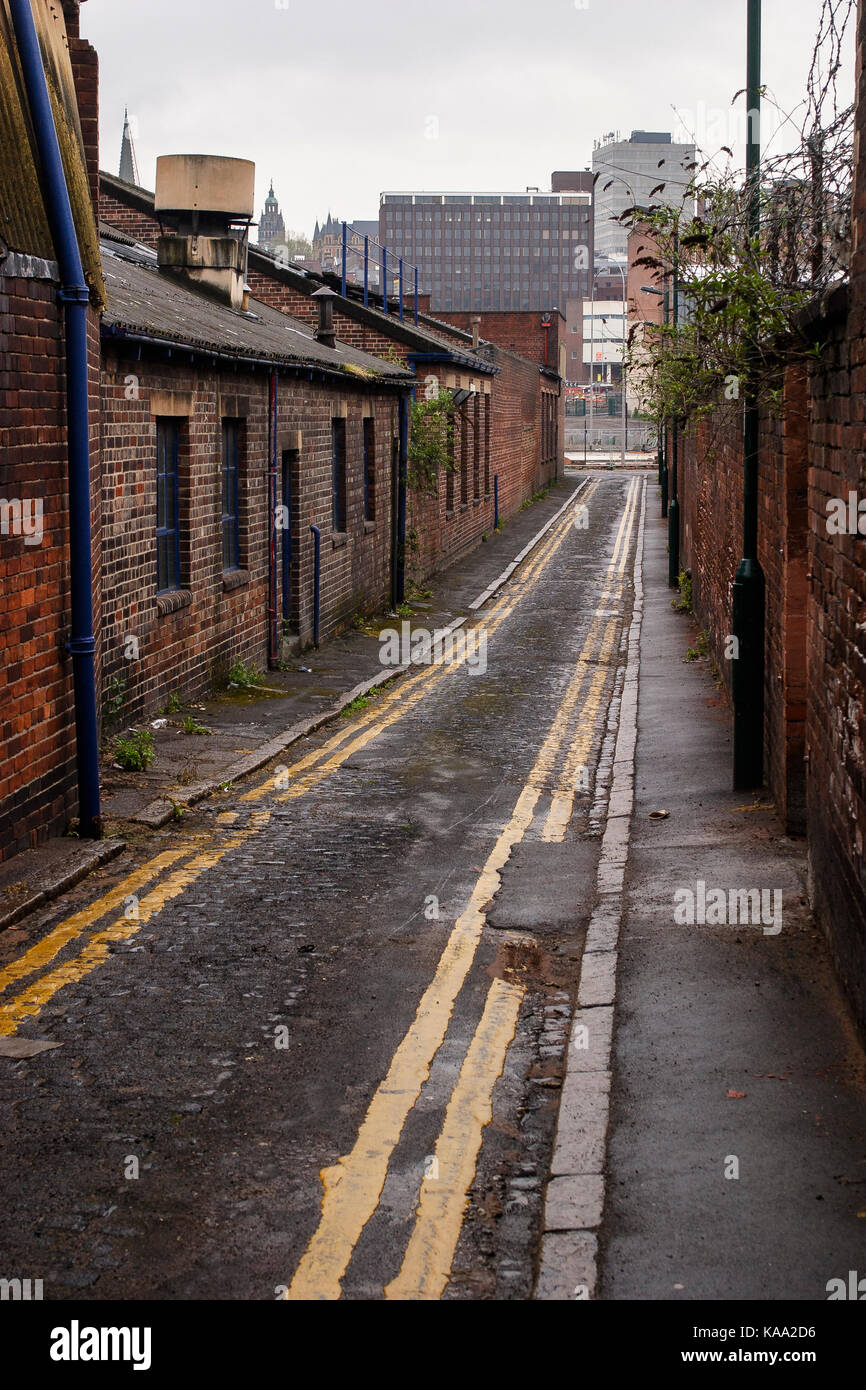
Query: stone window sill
x=449, y=514
x=235, y=579
x=339, y=539
x=369, y=528
x=464, y=507
x=172, y=601
x=476, y=501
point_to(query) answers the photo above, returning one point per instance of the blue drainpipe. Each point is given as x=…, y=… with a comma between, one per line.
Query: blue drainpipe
x=317, y=582
x=75, y=297
x=402, y=484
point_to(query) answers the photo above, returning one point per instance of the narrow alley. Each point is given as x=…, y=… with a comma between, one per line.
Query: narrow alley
x=348, y=971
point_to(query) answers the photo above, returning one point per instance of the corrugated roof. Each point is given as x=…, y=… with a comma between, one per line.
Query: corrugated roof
x=145, y=300
x=23, y=220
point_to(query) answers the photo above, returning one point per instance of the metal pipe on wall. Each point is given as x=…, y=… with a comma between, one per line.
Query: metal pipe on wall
x=75, y=297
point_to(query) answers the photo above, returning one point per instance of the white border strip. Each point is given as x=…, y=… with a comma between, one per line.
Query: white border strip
x=574, y=1202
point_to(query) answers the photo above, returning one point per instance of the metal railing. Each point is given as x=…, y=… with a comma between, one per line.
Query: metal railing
x=381, y=254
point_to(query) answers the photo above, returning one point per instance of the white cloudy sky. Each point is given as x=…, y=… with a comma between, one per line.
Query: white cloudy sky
x=338, y=102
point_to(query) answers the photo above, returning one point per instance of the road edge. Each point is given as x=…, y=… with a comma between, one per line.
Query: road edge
x=574, y=1200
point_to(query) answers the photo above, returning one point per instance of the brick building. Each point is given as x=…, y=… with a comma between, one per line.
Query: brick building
x=226, y=389
x=217, y=459
x=515, y=375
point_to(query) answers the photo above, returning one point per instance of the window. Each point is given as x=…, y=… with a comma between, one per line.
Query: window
x=338, y=442
x=167, y=505
x=230, y=475
x=369, y=470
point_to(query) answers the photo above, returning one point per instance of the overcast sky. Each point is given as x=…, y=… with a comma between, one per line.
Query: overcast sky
x=342, y=101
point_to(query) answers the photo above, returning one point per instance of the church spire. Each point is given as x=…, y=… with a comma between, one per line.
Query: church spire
x=128, y=162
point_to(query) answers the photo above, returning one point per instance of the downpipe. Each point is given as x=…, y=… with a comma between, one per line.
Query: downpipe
x=317, y=582
x=74, y=295
x=273, y=658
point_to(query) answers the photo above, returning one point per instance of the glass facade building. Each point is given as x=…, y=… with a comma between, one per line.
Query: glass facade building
x=492, y=251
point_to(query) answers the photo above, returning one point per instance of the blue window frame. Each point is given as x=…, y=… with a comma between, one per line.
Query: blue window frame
x=167, y=505
x=231, y=539
x=338, y=436
x=369, y=469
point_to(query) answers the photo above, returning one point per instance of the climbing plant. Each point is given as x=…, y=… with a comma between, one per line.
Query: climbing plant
x=431, y=437
x=742, y=297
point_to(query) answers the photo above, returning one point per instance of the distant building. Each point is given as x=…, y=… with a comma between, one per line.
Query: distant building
x=494, y=252
x=328, y=248
x=128, y=163
x=272, y=228
x=630, y=172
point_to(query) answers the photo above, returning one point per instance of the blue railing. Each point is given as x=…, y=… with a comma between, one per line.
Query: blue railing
x=400, y=265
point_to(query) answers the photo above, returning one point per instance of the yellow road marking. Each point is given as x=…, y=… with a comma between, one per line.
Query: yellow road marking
x=427, y=1263
x=353, y=1186
x=562, y=805
x=413, y=688
x=45, y=950
x=37, y=994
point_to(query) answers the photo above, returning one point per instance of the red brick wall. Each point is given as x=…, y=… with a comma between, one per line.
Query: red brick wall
x=812, y=453
x=711, y=501
x=186, y=649
x=127, y=218
x=836, y=639
x=85, y=72
x=523, y=333
x=36, y=710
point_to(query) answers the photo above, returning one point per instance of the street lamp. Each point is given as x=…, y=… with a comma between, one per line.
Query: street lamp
x=674, y=503
x=749, y=613
x=600, y=265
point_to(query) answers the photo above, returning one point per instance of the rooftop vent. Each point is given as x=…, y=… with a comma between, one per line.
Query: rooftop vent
x=207, y=201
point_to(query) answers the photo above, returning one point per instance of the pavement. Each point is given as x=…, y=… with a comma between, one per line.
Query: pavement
x=712, y=1134
x=243, y=729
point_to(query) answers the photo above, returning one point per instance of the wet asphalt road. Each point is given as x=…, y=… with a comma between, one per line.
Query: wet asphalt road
x=362, y=963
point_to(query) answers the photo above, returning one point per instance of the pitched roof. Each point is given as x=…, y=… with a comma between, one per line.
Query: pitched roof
x=428, y=338
x=146, y=302
x=23, y=218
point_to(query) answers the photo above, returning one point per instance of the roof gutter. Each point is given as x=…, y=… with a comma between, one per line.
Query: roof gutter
x=454, y=359
x=75, y=297
x=270, y=363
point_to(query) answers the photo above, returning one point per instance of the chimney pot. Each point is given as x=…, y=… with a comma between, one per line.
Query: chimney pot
x=325, y=332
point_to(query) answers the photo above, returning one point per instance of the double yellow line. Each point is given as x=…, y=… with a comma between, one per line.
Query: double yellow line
x=353, y=1186
x=305, y=774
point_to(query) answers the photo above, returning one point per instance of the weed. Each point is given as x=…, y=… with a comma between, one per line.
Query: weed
x=115, y=696
x=174, y=703
x=190, y=725
x=244, y=677
x=135, y=751
x=536, y=497
x=356, y=706
x=684, y=603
